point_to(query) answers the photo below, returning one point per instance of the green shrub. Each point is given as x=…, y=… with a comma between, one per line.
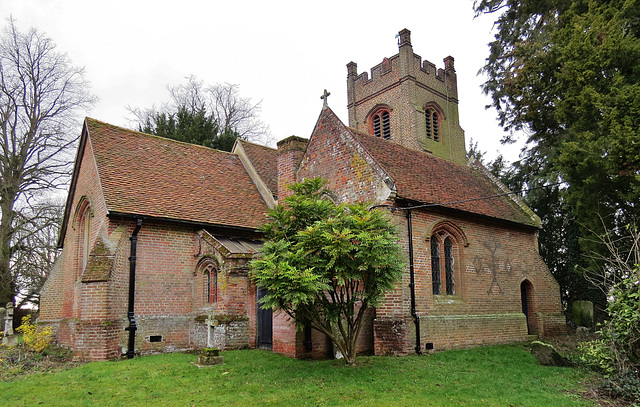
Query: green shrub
x=624, y=386
x=616, y=353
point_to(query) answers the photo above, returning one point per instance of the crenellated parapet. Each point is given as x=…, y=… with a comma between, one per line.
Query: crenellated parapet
x=399, y=92
x=389, y=70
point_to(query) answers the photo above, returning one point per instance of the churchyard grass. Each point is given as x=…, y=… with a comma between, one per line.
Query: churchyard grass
x=491, y=376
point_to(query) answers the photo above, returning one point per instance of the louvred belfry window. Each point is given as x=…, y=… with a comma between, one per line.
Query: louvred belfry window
x=381, y=124
x=432, y=122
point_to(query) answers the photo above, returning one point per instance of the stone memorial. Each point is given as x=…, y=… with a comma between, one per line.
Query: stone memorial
x=547, y=355
x=8, y=337
x=583, y=313
x=210, y=357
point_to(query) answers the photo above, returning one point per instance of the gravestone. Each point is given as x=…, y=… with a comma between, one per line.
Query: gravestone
x=8, y=337
x=8, y=320
x=583, y=313
x=547, y=355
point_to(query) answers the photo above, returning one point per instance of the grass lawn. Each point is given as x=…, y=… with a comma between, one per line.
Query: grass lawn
x=491, y=376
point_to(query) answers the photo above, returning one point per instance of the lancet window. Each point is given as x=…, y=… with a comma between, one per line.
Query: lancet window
x=445, y=258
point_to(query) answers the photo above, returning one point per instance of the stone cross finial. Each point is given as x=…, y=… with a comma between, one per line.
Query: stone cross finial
x=324, y=97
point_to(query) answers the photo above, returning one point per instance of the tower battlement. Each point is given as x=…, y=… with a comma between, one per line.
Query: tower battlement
x=386, y=67
x=408, y=88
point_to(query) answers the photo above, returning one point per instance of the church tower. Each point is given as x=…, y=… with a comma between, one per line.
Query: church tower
x=409, y=102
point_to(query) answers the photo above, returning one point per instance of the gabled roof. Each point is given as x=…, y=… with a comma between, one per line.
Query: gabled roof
x=425, y=178
x=264, y=161
x=151, y=176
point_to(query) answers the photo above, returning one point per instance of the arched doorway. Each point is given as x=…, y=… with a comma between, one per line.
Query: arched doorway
x=526, y=296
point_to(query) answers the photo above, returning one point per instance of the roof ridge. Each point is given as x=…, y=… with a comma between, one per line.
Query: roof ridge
x=240, y=140
x=140, y=133
x=408, y=149
x=138, y=172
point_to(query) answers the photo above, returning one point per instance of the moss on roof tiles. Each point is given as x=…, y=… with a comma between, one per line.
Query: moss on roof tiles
x=148, y=175
x=426, y=178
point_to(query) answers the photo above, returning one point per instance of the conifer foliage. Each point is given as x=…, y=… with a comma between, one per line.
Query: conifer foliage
x=326, y=265
x=567, y=73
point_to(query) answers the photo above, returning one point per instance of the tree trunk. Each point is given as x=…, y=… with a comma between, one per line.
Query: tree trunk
x=7, y=286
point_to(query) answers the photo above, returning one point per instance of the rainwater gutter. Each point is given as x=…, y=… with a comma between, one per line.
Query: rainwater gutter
x=132, y=291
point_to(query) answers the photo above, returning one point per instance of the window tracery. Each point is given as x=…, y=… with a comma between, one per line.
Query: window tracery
x=208, y=268
x=445, y=247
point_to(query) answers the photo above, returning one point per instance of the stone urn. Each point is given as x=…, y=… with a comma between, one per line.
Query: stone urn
x=210, y=357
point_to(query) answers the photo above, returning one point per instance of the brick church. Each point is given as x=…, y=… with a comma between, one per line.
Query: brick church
x=181, y=222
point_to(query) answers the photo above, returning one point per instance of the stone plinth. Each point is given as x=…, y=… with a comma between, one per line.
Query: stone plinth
x=210, y=357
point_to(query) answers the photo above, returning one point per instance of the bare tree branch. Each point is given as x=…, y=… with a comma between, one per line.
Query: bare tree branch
x=40, y=95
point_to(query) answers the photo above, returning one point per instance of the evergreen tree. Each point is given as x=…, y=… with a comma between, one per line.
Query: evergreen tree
x=325, y=265
x=212, y=116
x=567, y=73
x=193, y=127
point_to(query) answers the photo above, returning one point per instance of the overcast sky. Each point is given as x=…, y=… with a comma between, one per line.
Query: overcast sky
x=284, y=53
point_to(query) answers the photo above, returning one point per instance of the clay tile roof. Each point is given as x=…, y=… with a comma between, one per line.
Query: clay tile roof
x=152, y=176
x=264, y=161
x=426, y=178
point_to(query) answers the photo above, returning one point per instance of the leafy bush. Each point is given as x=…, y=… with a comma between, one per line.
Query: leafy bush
x=624, y=386
x=34, y=340
x=617, y=351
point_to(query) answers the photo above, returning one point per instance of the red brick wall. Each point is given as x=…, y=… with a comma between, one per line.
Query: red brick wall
x=491, y=261
x=90, y=317
x=60, y=306
x=333, y=155
x=285, y=338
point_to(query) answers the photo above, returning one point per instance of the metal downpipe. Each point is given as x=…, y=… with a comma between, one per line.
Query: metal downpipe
x=132, y=291
x=412, y=284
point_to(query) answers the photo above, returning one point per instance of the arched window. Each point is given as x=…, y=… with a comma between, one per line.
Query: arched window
x=435, y=266
x=86, y=236
x=432, y=122
x=448, y=266
x=82, y=227
x=380, y=123
x=212, y=283
x=208, y=268
x=445, y=252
